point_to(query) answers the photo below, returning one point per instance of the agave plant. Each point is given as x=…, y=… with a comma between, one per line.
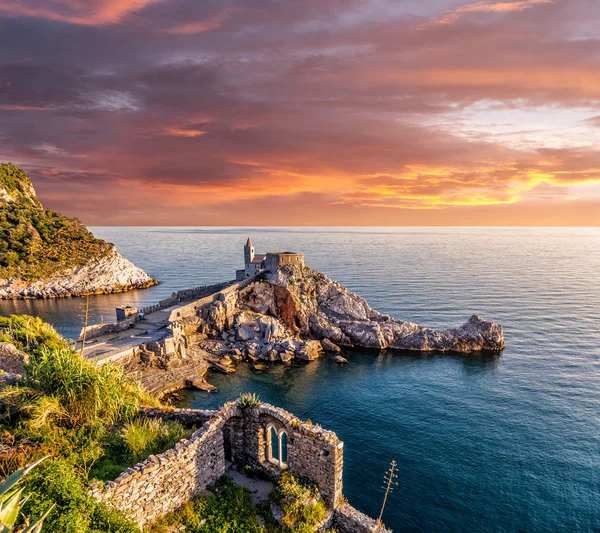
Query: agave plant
x=11, y=502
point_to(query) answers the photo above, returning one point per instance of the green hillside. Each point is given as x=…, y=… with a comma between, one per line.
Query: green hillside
x=36, y=242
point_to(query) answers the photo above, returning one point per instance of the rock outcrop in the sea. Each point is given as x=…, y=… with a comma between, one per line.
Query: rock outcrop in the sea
x=298, y=313
x=44, y=254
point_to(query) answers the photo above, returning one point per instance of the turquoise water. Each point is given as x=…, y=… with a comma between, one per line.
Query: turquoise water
x=506, y=443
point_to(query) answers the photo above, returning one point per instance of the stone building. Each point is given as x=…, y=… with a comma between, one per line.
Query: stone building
x=271, y=261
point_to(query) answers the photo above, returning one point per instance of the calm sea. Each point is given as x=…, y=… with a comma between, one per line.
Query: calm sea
x=509, y=443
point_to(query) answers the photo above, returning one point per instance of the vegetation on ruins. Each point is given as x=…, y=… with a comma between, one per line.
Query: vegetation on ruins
x=35, y=243
x=300, y=502
x=228, y=509
x=249, y=400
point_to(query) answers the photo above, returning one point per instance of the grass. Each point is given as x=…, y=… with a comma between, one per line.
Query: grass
x=301, y=504
x=81, y=415
x=29, y=333
x=59, y=386
x=229, y=509
x=134, y=442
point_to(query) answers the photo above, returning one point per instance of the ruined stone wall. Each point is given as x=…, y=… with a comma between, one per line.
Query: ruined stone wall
x=164, y=482
x=347, y=519
x=312, y=451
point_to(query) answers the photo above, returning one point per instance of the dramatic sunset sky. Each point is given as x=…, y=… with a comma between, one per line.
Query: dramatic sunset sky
x=305, y=112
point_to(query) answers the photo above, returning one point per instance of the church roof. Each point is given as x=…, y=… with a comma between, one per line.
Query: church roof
x=248, y=242
x=258, y=258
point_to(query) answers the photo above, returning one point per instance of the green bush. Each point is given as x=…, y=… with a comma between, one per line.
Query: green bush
x=229, y=509
x=29, y=333
x=58, y=482
x=300, y=501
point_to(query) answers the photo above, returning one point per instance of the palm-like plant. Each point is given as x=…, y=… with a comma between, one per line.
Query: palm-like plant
x=11, y=502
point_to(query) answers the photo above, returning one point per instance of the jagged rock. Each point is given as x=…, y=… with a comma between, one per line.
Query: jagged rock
x=111, y=273
x=309, y=350
x=329, y=346
x=290, y=310
x=345, y=318
x=341, y=360
x=12, y=360
x=286, y=357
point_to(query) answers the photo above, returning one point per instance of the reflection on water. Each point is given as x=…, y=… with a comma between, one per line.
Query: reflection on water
x=484, y=443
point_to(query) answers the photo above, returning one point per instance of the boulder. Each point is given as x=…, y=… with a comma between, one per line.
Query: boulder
x=329, y=346
x=12, y=360
x=309, y=350
x=341, y=360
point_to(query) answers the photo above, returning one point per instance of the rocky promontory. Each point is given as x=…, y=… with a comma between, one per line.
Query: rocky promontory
x=44, y=254
x=297, y=313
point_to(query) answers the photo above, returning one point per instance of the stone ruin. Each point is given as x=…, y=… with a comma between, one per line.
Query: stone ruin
x=243, y=436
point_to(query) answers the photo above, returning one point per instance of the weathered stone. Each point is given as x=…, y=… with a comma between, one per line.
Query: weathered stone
x=12, y=360
x=341, y=360
x=329, y=346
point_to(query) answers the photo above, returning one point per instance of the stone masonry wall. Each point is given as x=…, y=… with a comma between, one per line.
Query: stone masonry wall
x=191, y=309
x=113, y=327
x=347, y=519
x=163, y=483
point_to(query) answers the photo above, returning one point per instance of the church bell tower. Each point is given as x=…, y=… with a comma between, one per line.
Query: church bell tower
x=248, y=252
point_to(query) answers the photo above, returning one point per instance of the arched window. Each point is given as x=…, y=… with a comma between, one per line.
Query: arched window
x=277, y=446
x=274, y=448
x=283, y=442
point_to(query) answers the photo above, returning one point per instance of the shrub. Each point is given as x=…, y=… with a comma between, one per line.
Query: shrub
x=58, y=483
x=300, y=501
x=249, y=400
x=61, y=386
x=229, y=509
x=29, y=333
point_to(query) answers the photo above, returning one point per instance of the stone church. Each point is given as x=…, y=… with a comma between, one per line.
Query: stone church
x=271, y=261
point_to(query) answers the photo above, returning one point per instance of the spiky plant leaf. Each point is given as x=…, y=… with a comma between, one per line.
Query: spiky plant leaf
x=9, y=512
x=36, y=527
x=15, y=477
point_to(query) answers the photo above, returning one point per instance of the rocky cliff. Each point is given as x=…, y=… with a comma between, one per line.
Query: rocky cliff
x=299, y=312
x=46, y=255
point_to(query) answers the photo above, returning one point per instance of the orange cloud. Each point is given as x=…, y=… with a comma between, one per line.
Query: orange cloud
x=485, y=7
x=181, y=132
x=9, y=107
x=201, y=26
x=90, y=13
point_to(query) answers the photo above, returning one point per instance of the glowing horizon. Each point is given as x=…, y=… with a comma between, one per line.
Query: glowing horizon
x=351, y=112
